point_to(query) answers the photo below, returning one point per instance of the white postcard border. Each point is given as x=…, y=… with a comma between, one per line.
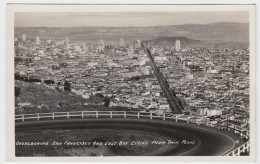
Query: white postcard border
x=10, y=153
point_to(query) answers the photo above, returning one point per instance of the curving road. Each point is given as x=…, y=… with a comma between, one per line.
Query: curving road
x=207, y=141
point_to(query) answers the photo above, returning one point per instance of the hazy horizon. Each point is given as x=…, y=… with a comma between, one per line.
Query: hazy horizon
x=57, y=20
x=129, y=26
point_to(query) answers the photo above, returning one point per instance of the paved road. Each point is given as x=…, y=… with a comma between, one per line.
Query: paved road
x=207, y=141
x=173, y=102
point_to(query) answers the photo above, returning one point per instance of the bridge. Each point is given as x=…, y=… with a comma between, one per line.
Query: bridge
x=202, y=130
x=173, y=101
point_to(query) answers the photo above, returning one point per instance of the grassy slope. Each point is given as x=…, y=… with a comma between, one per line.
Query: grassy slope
x=40, y=94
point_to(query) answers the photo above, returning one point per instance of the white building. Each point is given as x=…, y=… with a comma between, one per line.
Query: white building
x=177, y=45
x=121, y=42
x=77, y=48
x=210, y=112
x=49, y=41
x=67, y=42
x=37, y=41
x=160, y=58
x=213, y=69
x=130, y=50
x=23, y=37
x=101, y=46
x=189, y=76
x=138, y=43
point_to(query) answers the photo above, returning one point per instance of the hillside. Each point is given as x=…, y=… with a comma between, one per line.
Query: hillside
x=54, y=101
x=51, y=99
x=212, y=34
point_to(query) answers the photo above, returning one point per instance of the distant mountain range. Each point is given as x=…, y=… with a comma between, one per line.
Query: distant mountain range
x=223, y=34
x=170, y=41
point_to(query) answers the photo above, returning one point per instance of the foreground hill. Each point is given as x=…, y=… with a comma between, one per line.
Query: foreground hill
x=215, y=34
x=44, y=99
x=49, y=99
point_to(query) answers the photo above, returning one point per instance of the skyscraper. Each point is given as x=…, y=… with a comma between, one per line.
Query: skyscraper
x=101, y=45
x=67, y=42
x=37, y=41
x=177, y=45
x=138, y=43
x=121, y=42
x=23, y=37
x=130, y=50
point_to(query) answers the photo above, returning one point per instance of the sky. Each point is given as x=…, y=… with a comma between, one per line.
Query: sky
x=126, y=19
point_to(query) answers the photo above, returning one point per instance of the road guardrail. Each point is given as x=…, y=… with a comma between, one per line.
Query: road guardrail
x=243, y=133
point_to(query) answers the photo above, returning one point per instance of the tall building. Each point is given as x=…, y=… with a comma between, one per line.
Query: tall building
x=84, y=47
x=23, y=37
x=37, y=41
x=138, y=43
x=177, y=45
x=67, y=41
x=49, y=41
x=121, y=42
x=101, y=45
x=130, y=50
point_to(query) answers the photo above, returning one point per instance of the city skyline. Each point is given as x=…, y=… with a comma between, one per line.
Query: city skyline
x=126, y=19
x=116, y=80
